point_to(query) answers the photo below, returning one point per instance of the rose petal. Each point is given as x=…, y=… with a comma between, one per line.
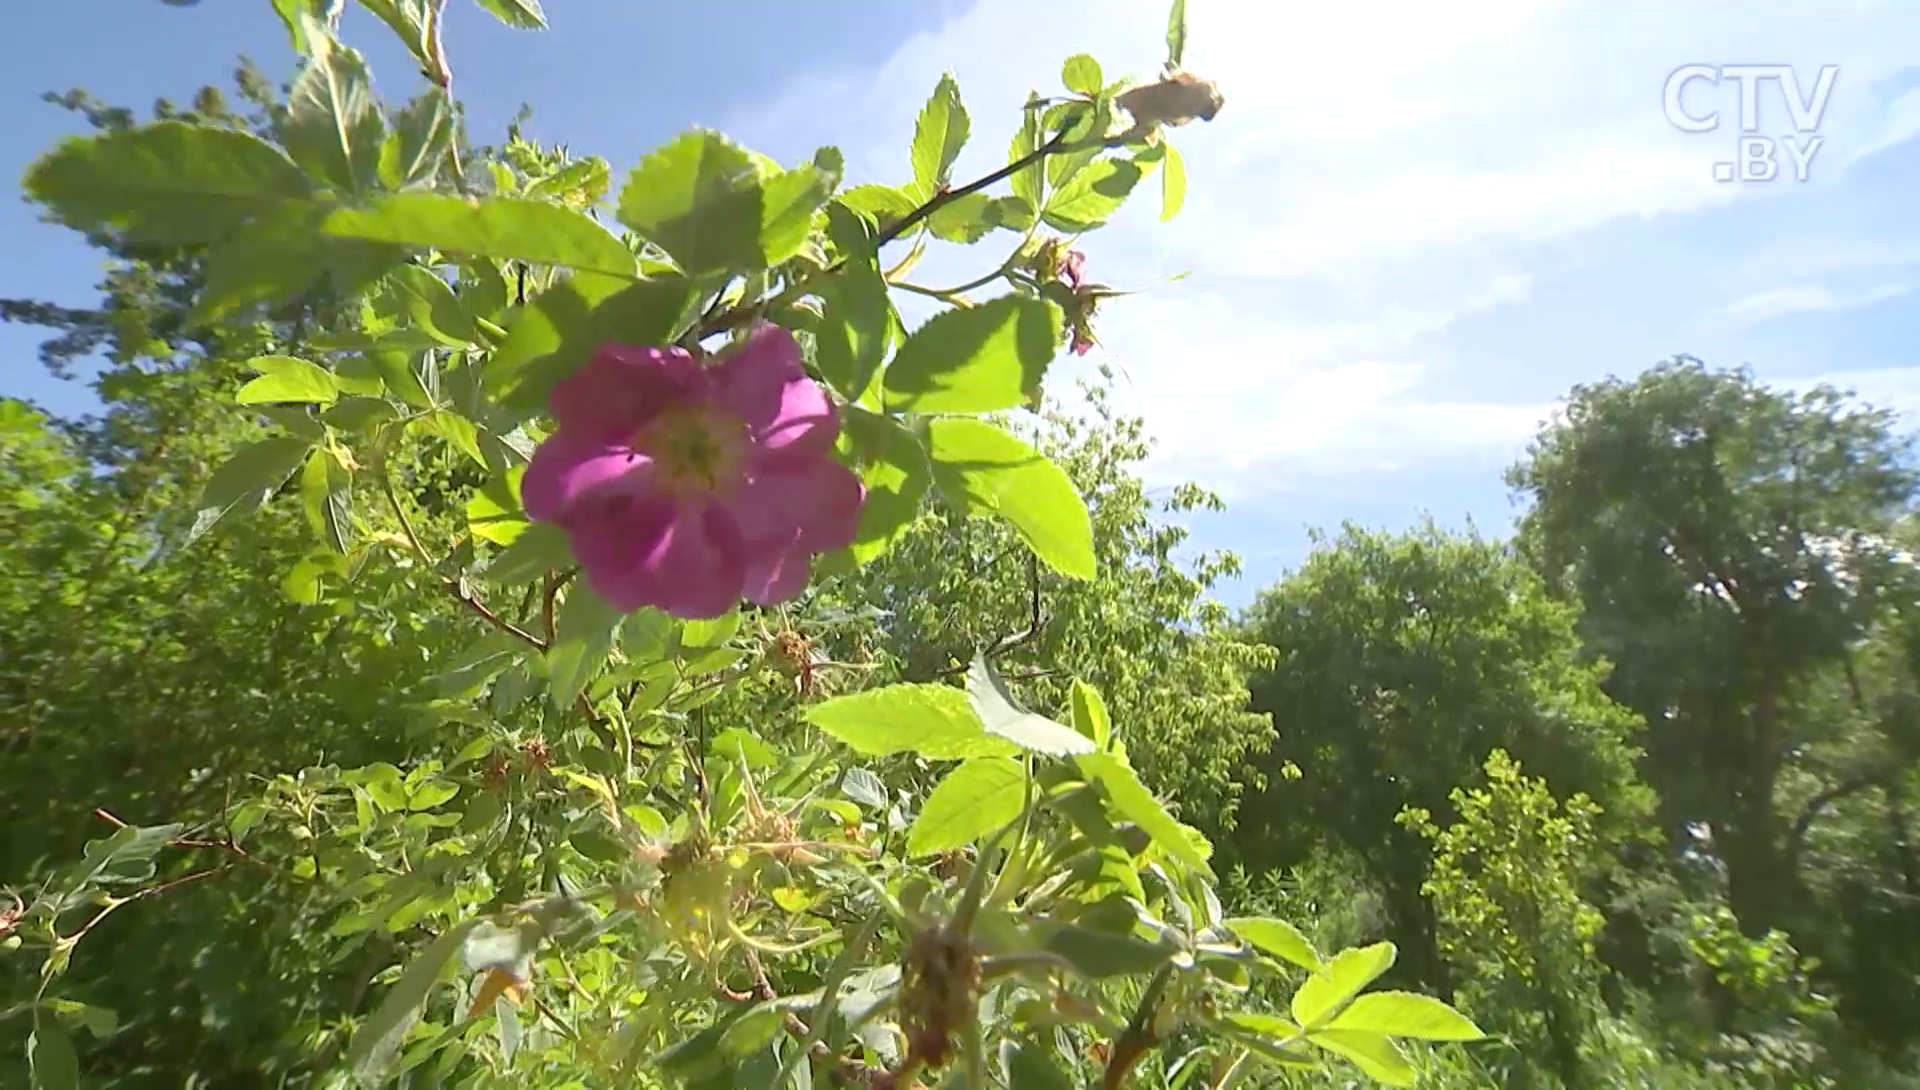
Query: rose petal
x=621, y=388
x=796, y=497
x=778, y=575
x=613, y=535
x=764, y=384
x=701, y=564
x=567, y=467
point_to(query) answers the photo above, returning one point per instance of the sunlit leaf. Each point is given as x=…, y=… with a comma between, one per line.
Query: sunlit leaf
x=938, y=136
x=288, y=379
x=975, y=359
x=1279, y=938
x=935, y=721
x=988, y=470
x=1406, y=1014
x=500, y=227
x=975, y=799
x=333, y=126
x=1003, y=715
x=1327, y=991
x=1379, y=1057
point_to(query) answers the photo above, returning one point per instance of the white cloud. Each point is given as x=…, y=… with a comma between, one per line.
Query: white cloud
x=1380, y=172
x=1797, y=299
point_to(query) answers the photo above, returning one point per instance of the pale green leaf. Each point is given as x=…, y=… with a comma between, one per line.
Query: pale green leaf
x=1028, y=181
x=494, y=512
x=1379, y=1057
x=1327, y=991
x=459, y=432
x=540, y=548
x=1177, y=34
x=893, y=465
x=1173, y=182
x=326, y=491
x=434, y=309
x=974, y=800
x=938, y=136
x=288, y=379
x=170, y=182
x=421, y=141
x=1090, y=714
x=713, y=206
x=937, y=722
x=1081, y=74
x=883, y=204
x=985, y=469
x=1002, y=715
x=1407, y=1014
x=500, y=227
x=975, y=359
x=524, y=14
x=1279, y=938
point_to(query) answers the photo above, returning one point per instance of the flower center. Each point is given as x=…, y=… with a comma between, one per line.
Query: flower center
x=693, y=447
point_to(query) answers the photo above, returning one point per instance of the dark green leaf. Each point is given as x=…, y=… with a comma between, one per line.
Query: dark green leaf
x=938, y=136
x=246, y=480
x=713, y=206
x=934, y=721
x=1279, y=938
x=167, y=182
x=1090, y=196
x=288, y=379
x=1326, y=992
x=1001, y=714
x=1081, y=74
x=1100, y=954
x=1031, y=1066
x=1406, y=1014
x=788, y=202
x=500, y=227
x=985, y=469
x=50, y=1055
x=975, y=359
x=975, y=799
x=525, y=14
x=541, y=548
x=856, y=320
x=378, y=1038
x=555, y=335
x=893, y=465
x=332, y=125
x=420, y=142
x=586, y=628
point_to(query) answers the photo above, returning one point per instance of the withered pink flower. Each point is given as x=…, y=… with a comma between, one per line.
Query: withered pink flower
x=686, y=487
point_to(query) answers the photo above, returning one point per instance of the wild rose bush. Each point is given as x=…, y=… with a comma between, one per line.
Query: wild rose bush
x=679, y=434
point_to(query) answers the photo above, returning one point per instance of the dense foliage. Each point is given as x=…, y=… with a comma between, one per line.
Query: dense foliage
x=354, y=730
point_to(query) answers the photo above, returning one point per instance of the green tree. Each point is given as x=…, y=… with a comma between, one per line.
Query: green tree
x=1404, y=662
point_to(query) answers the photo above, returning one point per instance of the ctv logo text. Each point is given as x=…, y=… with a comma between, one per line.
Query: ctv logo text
x=1757, y=158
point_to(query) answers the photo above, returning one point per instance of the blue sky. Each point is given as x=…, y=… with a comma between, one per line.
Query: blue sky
x=1408, y=232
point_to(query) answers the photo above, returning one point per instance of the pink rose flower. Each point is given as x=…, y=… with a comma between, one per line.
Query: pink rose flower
x=686, y=487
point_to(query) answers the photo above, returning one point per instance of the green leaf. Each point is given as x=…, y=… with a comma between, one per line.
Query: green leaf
x=288, y=379
x=985, y=469
x=583, y=637
x=400, y=374
x=501, y=227
x=1028, y=181
x=494, y=513
x=1101, y=954
x=856, y=319
x=938, y=136
x=975, y=799
x=1090, y=196
x=975, y=359
x=420, y=142
x=540, y=548
x=1002, y=715
x=404, y=17
x=332, y=125
x=326, y=493
x=966, y=220
x=1380, y=1058
x=433, y=307
x=1279, y=938
x=1012, y=213
x=1274, y=1028
x=378, y=1038
x=1324, y=993
x=524, y=14
x=1177, y=34
x=292, y=12
x=50, y=1055
x=462, y=434
x=245, y=482
x=1090, y=714
x=883, y=204
x=1081, y=74
x=893, y=465
x=556, y=334
x=713, y=206
x=99, y=1021
x=1031, y=1066
x=1406, y=1014
x=585, y=180
x=170, y=182
x=1137, y=804
x=1173, y=182
x=937, y=722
